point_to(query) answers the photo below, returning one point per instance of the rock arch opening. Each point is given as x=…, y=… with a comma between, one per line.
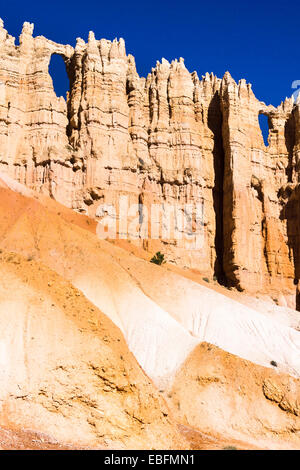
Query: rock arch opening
x=264, y=127
x=58, y=73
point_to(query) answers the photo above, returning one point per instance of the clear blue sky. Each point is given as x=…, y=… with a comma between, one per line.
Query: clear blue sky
x=255, y=40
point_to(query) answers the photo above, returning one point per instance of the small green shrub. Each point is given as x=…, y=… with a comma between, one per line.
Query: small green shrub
x=229, y=448
x=158, y=258
x=206, y=279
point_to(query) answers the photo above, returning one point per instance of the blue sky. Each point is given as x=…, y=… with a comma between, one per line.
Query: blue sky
x=253, y=40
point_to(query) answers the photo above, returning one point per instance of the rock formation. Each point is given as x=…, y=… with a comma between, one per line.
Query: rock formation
x=66, y=370
x=74, y=308
x=169, y=138
x=236, y=399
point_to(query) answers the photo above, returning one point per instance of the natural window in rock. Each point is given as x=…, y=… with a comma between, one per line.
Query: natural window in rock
x=264, y=127
x=57, y=70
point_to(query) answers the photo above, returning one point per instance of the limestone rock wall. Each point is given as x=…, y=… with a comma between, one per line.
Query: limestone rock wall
x=33, y=120
x=256, y=242
x=170, y=138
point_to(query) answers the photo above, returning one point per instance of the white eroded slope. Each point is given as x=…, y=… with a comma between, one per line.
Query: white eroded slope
x=217, y=319
x=162, y=315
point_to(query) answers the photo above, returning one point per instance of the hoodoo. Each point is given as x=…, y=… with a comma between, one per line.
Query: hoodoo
x=167, y=138
x=140, y=334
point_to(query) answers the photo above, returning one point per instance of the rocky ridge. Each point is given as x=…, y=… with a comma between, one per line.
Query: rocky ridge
x=168, y=138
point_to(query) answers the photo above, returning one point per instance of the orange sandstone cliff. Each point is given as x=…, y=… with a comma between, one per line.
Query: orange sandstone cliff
x=98, y=347
x=167, y=138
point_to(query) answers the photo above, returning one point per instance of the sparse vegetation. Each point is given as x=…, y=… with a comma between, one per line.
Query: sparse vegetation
x=229, y=448
x=158, y=258
x=206, y=279
x=273, y=363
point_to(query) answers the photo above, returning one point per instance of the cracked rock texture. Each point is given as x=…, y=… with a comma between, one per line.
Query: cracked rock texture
x=251, y=400
x=65, y=368
x=168, y=138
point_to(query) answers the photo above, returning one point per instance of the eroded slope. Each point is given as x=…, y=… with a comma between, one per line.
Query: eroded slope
x=66, y=370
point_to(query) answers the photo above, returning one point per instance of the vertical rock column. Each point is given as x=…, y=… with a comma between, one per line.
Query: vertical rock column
x=99, y=121
x=256, y=256
x=33, y=120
